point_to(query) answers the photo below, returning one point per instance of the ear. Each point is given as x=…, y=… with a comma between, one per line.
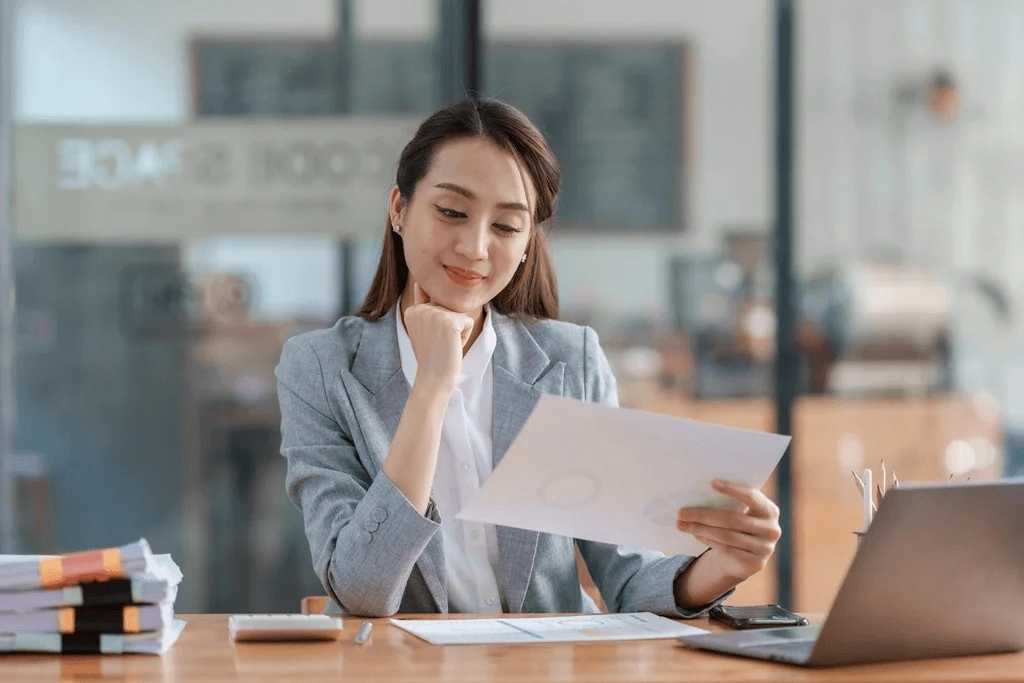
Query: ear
x=396, y=206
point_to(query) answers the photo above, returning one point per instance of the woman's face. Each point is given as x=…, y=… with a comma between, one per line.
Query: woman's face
x=467, y=226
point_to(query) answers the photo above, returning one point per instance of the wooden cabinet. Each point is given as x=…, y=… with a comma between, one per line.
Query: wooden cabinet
x=918, y=438
x=832, y=437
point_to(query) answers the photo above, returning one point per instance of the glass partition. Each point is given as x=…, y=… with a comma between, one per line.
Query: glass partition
x=196, y=182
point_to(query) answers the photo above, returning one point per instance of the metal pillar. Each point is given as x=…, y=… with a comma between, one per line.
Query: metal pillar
x=8, y=400
x=344, y=53
x=460, y=52
x=786, y=360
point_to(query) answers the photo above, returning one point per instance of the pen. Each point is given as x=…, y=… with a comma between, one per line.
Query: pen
x=860, y=487
x=867, y=498
x=364, y=632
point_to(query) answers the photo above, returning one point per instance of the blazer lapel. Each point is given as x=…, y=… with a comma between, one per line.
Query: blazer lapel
x=378, y=392
x=522, y=372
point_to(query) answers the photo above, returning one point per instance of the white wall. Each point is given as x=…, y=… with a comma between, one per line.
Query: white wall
x=943, y=195
x=127, y=61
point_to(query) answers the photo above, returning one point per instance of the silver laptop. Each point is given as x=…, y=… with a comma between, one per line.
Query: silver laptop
x=940, y=573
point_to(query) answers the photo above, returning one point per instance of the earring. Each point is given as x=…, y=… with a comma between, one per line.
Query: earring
x=523, y=260
x=397, y=228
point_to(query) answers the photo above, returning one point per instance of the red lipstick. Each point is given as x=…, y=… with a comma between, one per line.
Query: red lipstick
x=463, y=277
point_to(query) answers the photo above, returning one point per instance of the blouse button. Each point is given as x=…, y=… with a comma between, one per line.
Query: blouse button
x=465, y=466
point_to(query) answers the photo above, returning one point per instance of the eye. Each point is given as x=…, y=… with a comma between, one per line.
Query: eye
x=449, y=213
x=506, y=229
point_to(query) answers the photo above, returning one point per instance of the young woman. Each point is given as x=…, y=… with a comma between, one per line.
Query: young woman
x=394, y=417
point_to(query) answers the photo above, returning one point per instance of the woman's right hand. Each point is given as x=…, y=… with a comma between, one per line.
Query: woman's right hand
x=438, y=336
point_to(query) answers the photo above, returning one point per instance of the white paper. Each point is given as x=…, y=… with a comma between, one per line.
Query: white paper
x=571, y=629
x=10, y=559
x=619, y=476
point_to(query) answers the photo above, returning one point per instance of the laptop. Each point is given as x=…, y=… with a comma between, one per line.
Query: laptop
x=940, y=573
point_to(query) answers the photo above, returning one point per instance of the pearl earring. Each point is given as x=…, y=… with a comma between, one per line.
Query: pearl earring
x=523, y=260
x=397, y=228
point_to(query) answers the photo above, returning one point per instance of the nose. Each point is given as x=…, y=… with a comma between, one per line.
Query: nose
x=472, y=240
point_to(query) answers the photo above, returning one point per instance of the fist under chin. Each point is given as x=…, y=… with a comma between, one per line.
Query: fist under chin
x=464, y=302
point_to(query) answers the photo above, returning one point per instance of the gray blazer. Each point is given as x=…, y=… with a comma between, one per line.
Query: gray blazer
x=342, y=393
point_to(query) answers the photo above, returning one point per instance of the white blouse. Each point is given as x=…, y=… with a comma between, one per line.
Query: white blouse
x=463, y=463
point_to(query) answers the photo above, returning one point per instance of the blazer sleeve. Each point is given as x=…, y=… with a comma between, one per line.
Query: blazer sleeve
x=630, y=580
x=364, y=534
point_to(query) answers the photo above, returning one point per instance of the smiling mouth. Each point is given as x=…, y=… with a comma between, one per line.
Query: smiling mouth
x=463, y=277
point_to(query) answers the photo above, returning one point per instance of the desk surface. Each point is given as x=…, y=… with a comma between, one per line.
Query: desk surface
x=203, y=653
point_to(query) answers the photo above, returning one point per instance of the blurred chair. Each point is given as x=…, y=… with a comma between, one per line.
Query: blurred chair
x=875, y=329
x=314, y=604
x=246, y=538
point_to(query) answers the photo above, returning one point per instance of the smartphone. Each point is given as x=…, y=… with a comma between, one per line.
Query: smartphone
x=756, y=616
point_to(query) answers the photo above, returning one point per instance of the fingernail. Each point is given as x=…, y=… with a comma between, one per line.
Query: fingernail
x=717, y=483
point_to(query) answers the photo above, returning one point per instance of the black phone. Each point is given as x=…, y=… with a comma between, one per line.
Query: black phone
x=756, y=616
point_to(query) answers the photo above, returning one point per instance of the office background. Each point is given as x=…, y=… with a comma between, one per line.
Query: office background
x=143, y=345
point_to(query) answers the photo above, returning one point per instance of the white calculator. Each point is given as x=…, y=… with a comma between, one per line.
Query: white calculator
x=271, y=627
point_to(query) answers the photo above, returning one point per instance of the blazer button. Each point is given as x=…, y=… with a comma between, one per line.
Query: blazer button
x=370, y=525
x=365, y=537
x=379, y=515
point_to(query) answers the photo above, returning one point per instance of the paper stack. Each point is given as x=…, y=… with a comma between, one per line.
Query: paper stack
x=109, y=601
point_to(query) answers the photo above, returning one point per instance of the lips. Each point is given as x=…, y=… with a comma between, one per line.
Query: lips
x=463, y=277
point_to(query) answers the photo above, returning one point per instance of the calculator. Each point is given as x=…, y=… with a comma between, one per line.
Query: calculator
x=283, y=627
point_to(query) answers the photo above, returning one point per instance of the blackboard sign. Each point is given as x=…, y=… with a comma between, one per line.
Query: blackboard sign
x=613, y=113
x=613, y=116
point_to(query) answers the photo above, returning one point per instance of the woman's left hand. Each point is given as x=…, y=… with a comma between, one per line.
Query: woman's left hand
x=742, y=541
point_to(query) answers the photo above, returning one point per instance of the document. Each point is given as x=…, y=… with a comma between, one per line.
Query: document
x=151, y=642
x=571, y=629
x=619, y=476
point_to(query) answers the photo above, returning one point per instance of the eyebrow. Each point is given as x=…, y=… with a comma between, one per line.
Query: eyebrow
x=458, y=189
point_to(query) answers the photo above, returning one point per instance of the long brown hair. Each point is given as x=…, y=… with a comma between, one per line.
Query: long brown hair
x=532, y=292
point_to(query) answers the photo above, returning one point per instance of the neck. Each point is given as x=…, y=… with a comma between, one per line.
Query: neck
x=477, y=315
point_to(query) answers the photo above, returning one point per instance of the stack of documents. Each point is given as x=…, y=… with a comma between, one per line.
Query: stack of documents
x=108, y=601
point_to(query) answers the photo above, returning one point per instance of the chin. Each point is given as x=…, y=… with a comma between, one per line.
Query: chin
x=455, y=299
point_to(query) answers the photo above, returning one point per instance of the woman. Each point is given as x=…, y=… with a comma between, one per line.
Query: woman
x=394, y=417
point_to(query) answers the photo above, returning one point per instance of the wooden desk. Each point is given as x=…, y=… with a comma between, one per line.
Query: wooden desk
x=203, y=653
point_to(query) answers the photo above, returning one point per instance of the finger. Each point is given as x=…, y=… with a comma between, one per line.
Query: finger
x=724, y=519
x=466, y=329
x=418, y=295
x=717, y=537
x=759, y=504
